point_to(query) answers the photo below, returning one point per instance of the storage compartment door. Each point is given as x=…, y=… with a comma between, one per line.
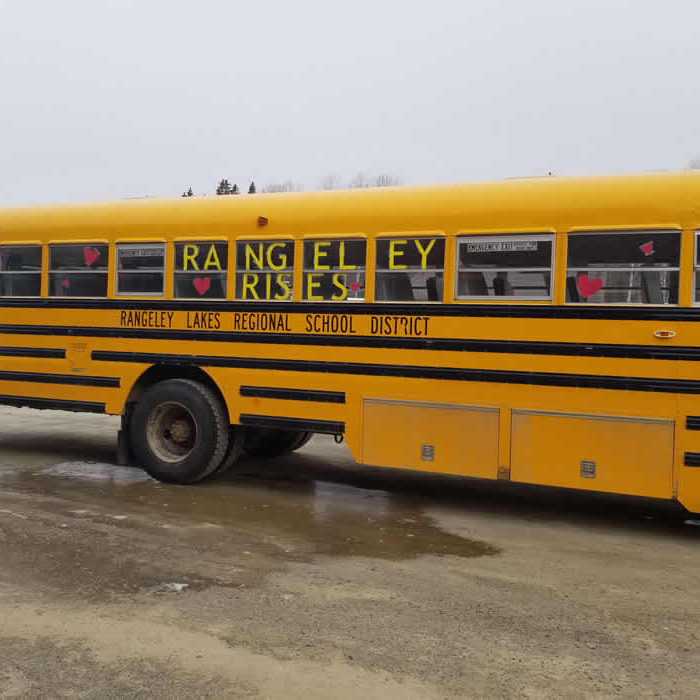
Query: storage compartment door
x=445, y=438
x=601, y=453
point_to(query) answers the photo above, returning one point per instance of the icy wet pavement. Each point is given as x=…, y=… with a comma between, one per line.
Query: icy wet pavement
x=307, y=577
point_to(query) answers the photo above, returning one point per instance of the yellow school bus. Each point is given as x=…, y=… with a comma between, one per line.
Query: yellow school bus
x=540, y=330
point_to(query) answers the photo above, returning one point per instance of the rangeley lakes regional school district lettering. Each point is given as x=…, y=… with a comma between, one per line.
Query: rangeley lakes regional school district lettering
x=255, y=321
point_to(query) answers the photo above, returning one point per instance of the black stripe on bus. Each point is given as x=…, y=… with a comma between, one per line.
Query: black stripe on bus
x=52, y=404
x=269, y=392
x=301, y=424
x=491, y=310
x=588, y=381
x=643, y=352
x=32, y=352
x=692, y=423
x=691, y=459
x=46, y=378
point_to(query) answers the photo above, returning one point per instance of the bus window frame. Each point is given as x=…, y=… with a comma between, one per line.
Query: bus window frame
x=529, y=236
x=617, y=230
x=43, y=254
x=369, y=243
x=52, y=243
x=410, y=235
x=233, y=243
x=696, y=267
x=226, y=272
x=136, y=244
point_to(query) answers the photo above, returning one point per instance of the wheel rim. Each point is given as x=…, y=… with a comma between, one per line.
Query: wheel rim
x=171, y=431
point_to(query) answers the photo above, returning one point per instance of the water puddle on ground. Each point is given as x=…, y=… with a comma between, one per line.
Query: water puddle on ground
x=100, y=472
x=313, y=515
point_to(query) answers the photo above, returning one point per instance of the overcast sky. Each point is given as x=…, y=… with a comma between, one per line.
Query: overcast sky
x=121, y=98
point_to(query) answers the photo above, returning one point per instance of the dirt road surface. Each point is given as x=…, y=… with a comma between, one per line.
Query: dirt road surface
x=307, y=577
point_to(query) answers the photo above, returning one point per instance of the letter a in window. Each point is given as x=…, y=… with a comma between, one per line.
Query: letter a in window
x=212, y=259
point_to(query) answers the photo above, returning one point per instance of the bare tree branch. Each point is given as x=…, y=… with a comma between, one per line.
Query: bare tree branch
x=386, y=180
x=383, y=180
x=331, y=182
x=287, y=186
x=359, y=181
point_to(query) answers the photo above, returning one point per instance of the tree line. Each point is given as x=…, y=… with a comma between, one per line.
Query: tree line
x=334, y=182
x=329, y=182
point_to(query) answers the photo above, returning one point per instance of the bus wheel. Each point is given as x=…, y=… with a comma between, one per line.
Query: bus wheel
x=264, y=443
x=179, y=431
x=303, y=439
x=236, y=441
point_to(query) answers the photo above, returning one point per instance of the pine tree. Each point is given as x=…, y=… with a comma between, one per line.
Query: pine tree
x=235, y=189
x=188, y=193
x=223, y=187
x=251, y=189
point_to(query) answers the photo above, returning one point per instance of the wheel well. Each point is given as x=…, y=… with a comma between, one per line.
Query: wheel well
x=159, y=373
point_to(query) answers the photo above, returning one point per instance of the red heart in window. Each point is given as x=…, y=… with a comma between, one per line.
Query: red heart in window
x=587, y=287
x=66, y=283
x=201, y=284
x=647, y=248
x=355, y=286
x=91, y=254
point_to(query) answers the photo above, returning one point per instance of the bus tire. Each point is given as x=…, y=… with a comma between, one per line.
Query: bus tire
x=265, y=444
x=179, y=431
x=234, y=451
x=303, y=439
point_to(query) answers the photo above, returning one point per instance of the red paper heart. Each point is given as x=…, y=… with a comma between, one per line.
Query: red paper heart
x=91, y=254
x=647, y=248
x=587, y=286
x=201, y=284
x=66, y=283
x=355, y=286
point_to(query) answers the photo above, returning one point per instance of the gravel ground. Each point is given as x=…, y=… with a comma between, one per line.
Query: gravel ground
x=308, y=577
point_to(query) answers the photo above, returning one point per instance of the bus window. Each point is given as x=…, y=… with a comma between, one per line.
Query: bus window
x=409, y=269
x=78, y=270
x=200, y=270
x=505, y=266
x=623, y=267
x=264, y=270
x=20, y=270
x=334, y=270
x=140, y=269
x=696, y=281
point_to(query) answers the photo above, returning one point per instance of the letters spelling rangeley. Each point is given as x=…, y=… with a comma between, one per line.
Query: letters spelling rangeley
x=146, y=319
